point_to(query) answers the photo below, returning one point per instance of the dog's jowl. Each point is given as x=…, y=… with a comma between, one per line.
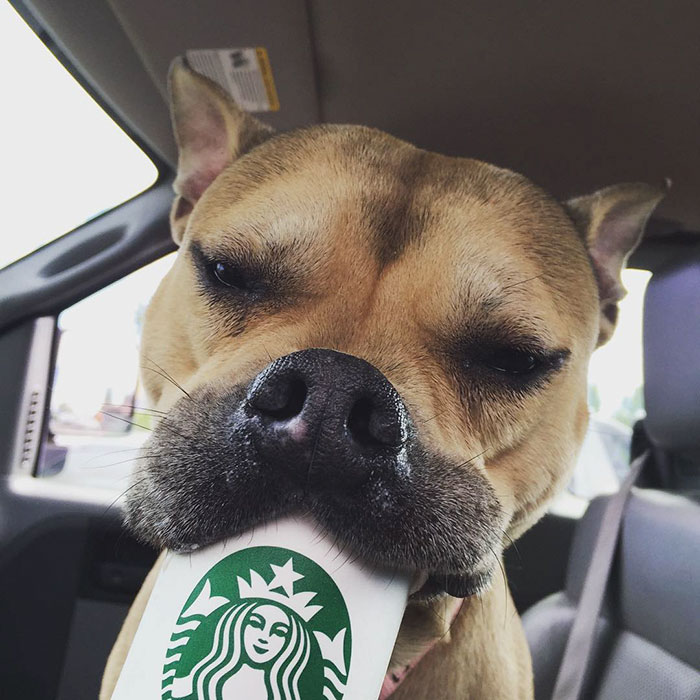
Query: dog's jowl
x=391, y=340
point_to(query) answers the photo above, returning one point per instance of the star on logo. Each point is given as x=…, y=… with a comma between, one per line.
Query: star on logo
x=285, y=576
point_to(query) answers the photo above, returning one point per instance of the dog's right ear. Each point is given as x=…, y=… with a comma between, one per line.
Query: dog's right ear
x=211, y=131
x=611, y=223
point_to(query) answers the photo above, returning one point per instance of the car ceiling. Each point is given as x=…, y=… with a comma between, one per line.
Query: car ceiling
x=574, y=95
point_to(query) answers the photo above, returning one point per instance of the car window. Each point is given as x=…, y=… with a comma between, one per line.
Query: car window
x=615, y=401
x=99, y=416
x=64, y=160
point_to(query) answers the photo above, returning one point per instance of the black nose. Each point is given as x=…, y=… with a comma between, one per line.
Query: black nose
x=326, y=419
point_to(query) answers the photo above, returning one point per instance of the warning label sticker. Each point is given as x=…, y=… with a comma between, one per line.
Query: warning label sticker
x=245, y=73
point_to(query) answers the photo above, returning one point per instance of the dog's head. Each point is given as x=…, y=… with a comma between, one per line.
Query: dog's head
x=391, y=340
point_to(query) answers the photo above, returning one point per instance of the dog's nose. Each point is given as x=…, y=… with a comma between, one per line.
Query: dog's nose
x=326, y=418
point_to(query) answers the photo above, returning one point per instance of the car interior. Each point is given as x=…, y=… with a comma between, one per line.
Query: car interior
x=576, y=96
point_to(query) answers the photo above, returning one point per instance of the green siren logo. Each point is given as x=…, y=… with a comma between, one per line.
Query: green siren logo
x=264, y=623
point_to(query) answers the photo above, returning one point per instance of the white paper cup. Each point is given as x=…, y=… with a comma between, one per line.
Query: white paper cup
x=279, y=613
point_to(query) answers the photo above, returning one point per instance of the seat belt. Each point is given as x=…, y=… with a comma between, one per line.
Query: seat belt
x=579, y=645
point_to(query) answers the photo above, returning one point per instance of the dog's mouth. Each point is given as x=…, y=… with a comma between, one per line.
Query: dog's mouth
x=223, y=462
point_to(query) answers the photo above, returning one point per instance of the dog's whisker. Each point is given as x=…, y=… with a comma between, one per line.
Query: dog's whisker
x=110, y=453
x=513, y=544
x=166, y=376
x=471, y=459
x=432, y=609
x=266, y=352
x=134, y=407
x=166, y=373
x=452, y=622
x=525, y=281
x=124, y=461
x=505, y=585
x=123, y=493
x=169, y=379
x=167, y=426
x=124, y=420
x=427, y=420
x=163, y=423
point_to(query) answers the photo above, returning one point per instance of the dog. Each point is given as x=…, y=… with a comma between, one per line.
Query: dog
x=391, y=340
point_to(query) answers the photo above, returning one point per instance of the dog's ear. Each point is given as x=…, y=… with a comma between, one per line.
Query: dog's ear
x=611, y=222
x=211, y=131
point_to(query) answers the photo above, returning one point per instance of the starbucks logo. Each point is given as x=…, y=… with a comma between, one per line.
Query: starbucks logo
x=265, y=623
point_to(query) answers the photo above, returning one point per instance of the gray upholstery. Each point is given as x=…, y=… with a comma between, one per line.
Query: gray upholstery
x=638, y=669
x=611, y=84
x=671, y=346
x=660, y=572
x=649, y=649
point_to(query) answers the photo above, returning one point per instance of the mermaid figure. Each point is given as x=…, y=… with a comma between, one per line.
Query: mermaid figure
x=257, y=647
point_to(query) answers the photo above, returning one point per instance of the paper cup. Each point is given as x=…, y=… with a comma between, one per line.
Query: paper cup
x=279, y=613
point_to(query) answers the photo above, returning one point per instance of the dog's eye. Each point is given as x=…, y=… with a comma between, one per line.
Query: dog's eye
x=516, y=365
x=230, y=276
x=512, y=360
x=239, y=279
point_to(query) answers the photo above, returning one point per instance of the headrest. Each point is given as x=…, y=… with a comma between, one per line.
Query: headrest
x=654, y=591
x=672, y=355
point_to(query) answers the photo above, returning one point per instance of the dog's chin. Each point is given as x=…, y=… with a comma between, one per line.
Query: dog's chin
x=428, y=584
x=457, y=585
x=157, y=521
x=433, y=575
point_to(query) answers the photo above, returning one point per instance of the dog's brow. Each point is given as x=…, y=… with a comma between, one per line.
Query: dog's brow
x=505, y=310
x=238, y=250
x=493, y=319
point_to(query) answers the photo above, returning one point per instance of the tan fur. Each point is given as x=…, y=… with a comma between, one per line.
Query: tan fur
x=485, y=656
x=393, y=252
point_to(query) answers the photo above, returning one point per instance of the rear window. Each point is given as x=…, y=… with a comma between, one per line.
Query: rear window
x=615, y=402
x=64, y=159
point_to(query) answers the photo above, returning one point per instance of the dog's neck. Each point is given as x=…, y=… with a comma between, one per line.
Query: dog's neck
x=423, y=626
x=454, y=649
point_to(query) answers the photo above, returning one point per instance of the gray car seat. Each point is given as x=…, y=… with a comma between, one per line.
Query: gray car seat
x=647, y=644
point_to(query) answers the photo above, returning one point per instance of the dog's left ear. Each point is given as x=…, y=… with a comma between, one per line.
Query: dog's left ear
x=211, y=131
x=611, y=222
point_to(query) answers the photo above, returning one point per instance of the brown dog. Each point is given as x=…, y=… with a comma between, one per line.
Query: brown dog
x=410, y=331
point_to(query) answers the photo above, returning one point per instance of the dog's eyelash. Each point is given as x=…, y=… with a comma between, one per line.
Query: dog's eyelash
x=222, y=274
x=509, y=362
x=231, y=276
x=530, y=371
x=520, y=360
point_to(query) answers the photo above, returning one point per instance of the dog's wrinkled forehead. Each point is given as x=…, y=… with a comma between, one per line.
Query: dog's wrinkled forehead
x=343, y=204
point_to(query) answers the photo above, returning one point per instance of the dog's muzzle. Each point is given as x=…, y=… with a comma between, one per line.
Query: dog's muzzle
x=326, y=420
x=326, y=434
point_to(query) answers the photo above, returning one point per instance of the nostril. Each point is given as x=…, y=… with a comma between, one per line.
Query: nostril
x=372, y=426
x=358, y=422
x=281, y=400
x=296, y=396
